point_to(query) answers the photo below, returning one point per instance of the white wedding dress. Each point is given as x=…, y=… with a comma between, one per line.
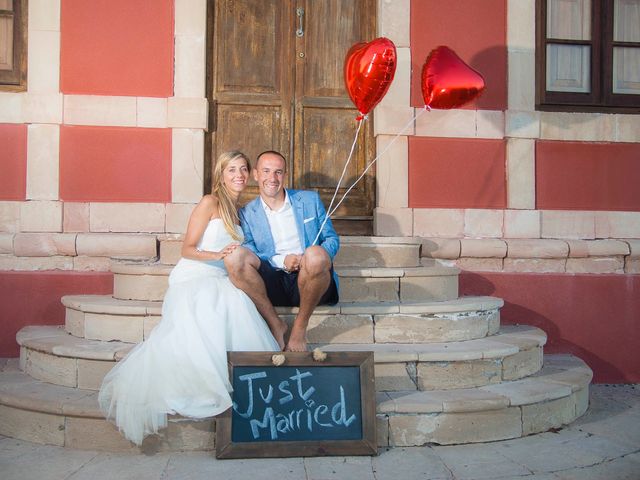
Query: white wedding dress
x=182, y=367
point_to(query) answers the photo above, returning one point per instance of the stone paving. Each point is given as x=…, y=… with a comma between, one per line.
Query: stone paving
x=604, y=444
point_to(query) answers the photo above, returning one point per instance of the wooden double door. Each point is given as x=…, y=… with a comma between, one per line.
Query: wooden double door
x=275, y=82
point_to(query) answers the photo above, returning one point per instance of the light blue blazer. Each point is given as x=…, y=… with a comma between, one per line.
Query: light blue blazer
x=309, y=213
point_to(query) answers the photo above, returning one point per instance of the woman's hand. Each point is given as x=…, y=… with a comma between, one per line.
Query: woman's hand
x=228, y=250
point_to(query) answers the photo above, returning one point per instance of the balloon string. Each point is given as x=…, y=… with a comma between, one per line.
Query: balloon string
x=331, y=212
x=344, y=170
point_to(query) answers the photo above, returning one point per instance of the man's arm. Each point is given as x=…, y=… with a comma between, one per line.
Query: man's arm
x=328, y=239
x=248, y=242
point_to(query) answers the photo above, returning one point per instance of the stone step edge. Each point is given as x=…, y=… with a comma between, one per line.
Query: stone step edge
x=109, y=305
x=344, y=239
x=58, y=400
x=160, y=269
x=54, y=340
x=561, y=376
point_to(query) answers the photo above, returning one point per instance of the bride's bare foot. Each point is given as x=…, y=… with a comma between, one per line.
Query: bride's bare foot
x=279, y=332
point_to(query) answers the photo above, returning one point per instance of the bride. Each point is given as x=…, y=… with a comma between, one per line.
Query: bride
x=182, y=367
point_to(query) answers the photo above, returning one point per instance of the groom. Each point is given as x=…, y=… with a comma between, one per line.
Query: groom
x=279, y=265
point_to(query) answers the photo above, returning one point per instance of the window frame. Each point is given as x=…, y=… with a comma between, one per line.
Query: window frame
x=601, y=98
x=15, y=80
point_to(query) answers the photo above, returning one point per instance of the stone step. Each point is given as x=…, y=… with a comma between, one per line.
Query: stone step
x=354, y=252
x=50, y=354
x=555, y=396
x=135, y=281
x=39, y=412
x=102, y=317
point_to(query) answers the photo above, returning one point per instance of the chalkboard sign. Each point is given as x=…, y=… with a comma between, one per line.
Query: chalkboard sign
x=300, y=408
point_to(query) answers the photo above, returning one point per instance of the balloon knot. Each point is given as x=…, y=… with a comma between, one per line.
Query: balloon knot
x=360, y=117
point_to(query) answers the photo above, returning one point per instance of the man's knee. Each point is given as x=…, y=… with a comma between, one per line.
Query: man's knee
x=316, y=260
x=239, y=260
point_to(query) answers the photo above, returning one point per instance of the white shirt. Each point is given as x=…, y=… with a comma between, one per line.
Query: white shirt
x=284, y=231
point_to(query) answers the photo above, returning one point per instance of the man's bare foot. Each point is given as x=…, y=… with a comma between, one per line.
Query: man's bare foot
x=297, y=343
x=279, y=332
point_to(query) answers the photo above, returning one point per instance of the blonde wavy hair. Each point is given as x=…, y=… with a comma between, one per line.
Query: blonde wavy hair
x=226, y=203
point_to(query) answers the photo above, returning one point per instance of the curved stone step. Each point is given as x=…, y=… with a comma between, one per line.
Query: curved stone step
x=354, y=251
x=39, y=412
x=135, y=281
x=556, y=396
x=52, y=355
x=102, y=317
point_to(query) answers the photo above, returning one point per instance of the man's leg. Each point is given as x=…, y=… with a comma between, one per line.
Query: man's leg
x=243, y=266
x=313, y=280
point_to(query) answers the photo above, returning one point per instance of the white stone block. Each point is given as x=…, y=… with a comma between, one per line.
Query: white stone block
x=617, y=224
x=522, y=224
x=41, y=216
x=447, y=123
x=151, y=112
x=627, y=128
x=522, y=124
x=400, y=89
x=190, y=17
x=113, y=245
x=11, y=107
x=568, y=224
x=393, y=120
x=126, y=217
x=6, y=243
x=489, y=124
x=187, y=156
x=521, y=174
x=44, y=15
x=392, y=172
x=521, y=24
x=75, y=217
x=187, y=112
x=393, y=222
x=190, y=67
x=44, y=244
x=43, y=160
x=178, y=216
x=42, y=107
x=43, y=62
x=100, y=110
x=522, y=75
x=588, y=127
x=394, y=21
x=439, y=222
x=483, y=223
x=10, y=216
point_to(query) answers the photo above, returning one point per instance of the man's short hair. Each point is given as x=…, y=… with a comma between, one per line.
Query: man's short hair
x=272, y=152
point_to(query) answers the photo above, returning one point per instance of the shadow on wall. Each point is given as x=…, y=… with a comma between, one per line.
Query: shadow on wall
x=608, y=348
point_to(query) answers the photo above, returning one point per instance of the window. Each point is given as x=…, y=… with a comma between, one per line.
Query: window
x=588, y=55
x=13, y=45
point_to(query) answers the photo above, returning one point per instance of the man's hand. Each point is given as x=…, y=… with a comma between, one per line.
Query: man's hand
x=292, y=262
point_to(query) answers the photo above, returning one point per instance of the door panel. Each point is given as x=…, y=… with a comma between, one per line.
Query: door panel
x=273, y=90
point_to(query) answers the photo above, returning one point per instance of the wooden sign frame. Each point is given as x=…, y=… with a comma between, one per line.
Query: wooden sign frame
x=367, y=445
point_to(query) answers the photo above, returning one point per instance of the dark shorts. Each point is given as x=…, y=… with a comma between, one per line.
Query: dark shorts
x=282, y=287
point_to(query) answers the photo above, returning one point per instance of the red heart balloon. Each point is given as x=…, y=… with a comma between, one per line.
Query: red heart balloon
x=448, y=82
x=368, y=71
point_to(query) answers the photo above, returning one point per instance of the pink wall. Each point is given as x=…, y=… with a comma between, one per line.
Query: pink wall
x=587, y=176
x=117, y=47
x=33, y=298
x=112, y=164
x=13, y=161
x=456, y=173
x=476, y=30
x=596, y=317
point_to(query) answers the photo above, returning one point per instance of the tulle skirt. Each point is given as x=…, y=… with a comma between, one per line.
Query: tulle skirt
x=182, y=367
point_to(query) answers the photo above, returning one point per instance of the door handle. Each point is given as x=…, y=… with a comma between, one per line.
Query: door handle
x=300, y=14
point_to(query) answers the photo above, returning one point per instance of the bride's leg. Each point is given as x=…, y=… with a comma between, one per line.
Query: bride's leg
x=243, y=266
